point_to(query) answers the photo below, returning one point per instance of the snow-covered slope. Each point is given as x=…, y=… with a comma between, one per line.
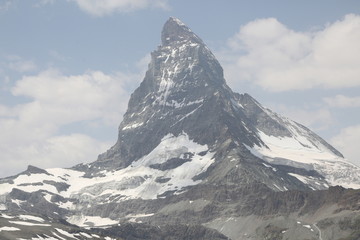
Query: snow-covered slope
x=301, y=148
x=170, y=167
x=296, y=151
x=24, y=227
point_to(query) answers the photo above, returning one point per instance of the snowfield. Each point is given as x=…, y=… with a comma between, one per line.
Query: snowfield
x=142, y=179
x=298, y=151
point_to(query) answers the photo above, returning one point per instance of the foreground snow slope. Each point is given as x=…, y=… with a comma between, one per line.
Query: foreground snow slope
x=303, y=149
x=171, y=166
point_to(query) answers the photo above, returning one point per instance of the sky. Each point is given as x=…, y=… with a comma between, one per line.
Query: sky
x=68, y=68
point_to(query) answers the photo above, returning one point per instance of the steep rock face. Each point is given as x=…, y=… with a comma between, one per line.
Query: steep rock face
x=184, y=92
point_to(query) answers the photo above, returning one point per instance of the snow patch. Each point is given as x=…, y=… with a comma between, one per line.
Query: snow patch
x=90, y=221
x=29, y=223
x=6, y=216
x=86, y=235
x=32, y=218
x=65, y=233
x=134, y=218
x=268, y=166
x=17, y=202
x=58, y=237
x=9, y=229
x=132, y=126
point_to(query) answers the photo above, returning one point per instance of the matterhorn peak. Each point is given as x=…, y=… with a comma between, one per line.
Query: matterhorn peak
x=183, y=78
x=184, y=95
x=175, y=31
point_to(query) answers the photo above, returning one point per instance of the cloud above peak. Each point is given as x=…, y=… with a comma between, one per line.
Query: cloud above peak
x=101, y=8
x=277, y=58
x=34, y=131
x=341, y=101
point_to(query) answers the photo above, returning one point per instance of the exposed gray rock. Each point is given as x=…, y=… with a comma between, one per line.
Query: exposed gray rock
x=136, y=231
x=59, y=186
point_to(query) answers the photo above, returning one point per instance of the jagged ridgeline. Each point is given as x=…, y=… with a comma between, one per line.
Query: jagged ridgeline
x=193, y=160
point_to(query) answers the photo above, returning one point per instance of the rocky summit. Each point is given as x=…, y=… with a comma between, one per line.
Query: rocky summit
x=193, y=160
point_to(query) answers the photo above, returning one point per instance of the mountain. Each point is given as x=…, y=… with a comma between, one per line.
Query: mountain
x=193, y=160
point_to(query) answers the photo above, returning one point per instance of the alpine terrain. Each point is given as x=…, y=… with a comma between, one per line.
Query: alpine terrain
x=193, y=160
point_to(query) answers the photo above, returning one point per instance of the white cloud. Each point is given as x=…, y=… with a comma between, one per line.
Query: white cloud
x=31, y=132
x=106, y=7
x=315, y=119
x=57, y=151
x=269, y=54
x=342, y=101
x=63, y=99
x=18, y=64
x=347, y=142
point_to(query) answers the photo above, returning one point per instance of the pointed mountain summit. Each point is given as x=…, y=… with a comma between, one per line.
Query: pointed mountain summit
x=184, y=94
x=192, y=155
x=184, y=81
x=175, y=31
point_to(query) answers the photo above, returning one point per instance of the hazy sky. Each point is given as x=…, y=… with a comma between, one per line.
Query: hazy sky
x=68, y=67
